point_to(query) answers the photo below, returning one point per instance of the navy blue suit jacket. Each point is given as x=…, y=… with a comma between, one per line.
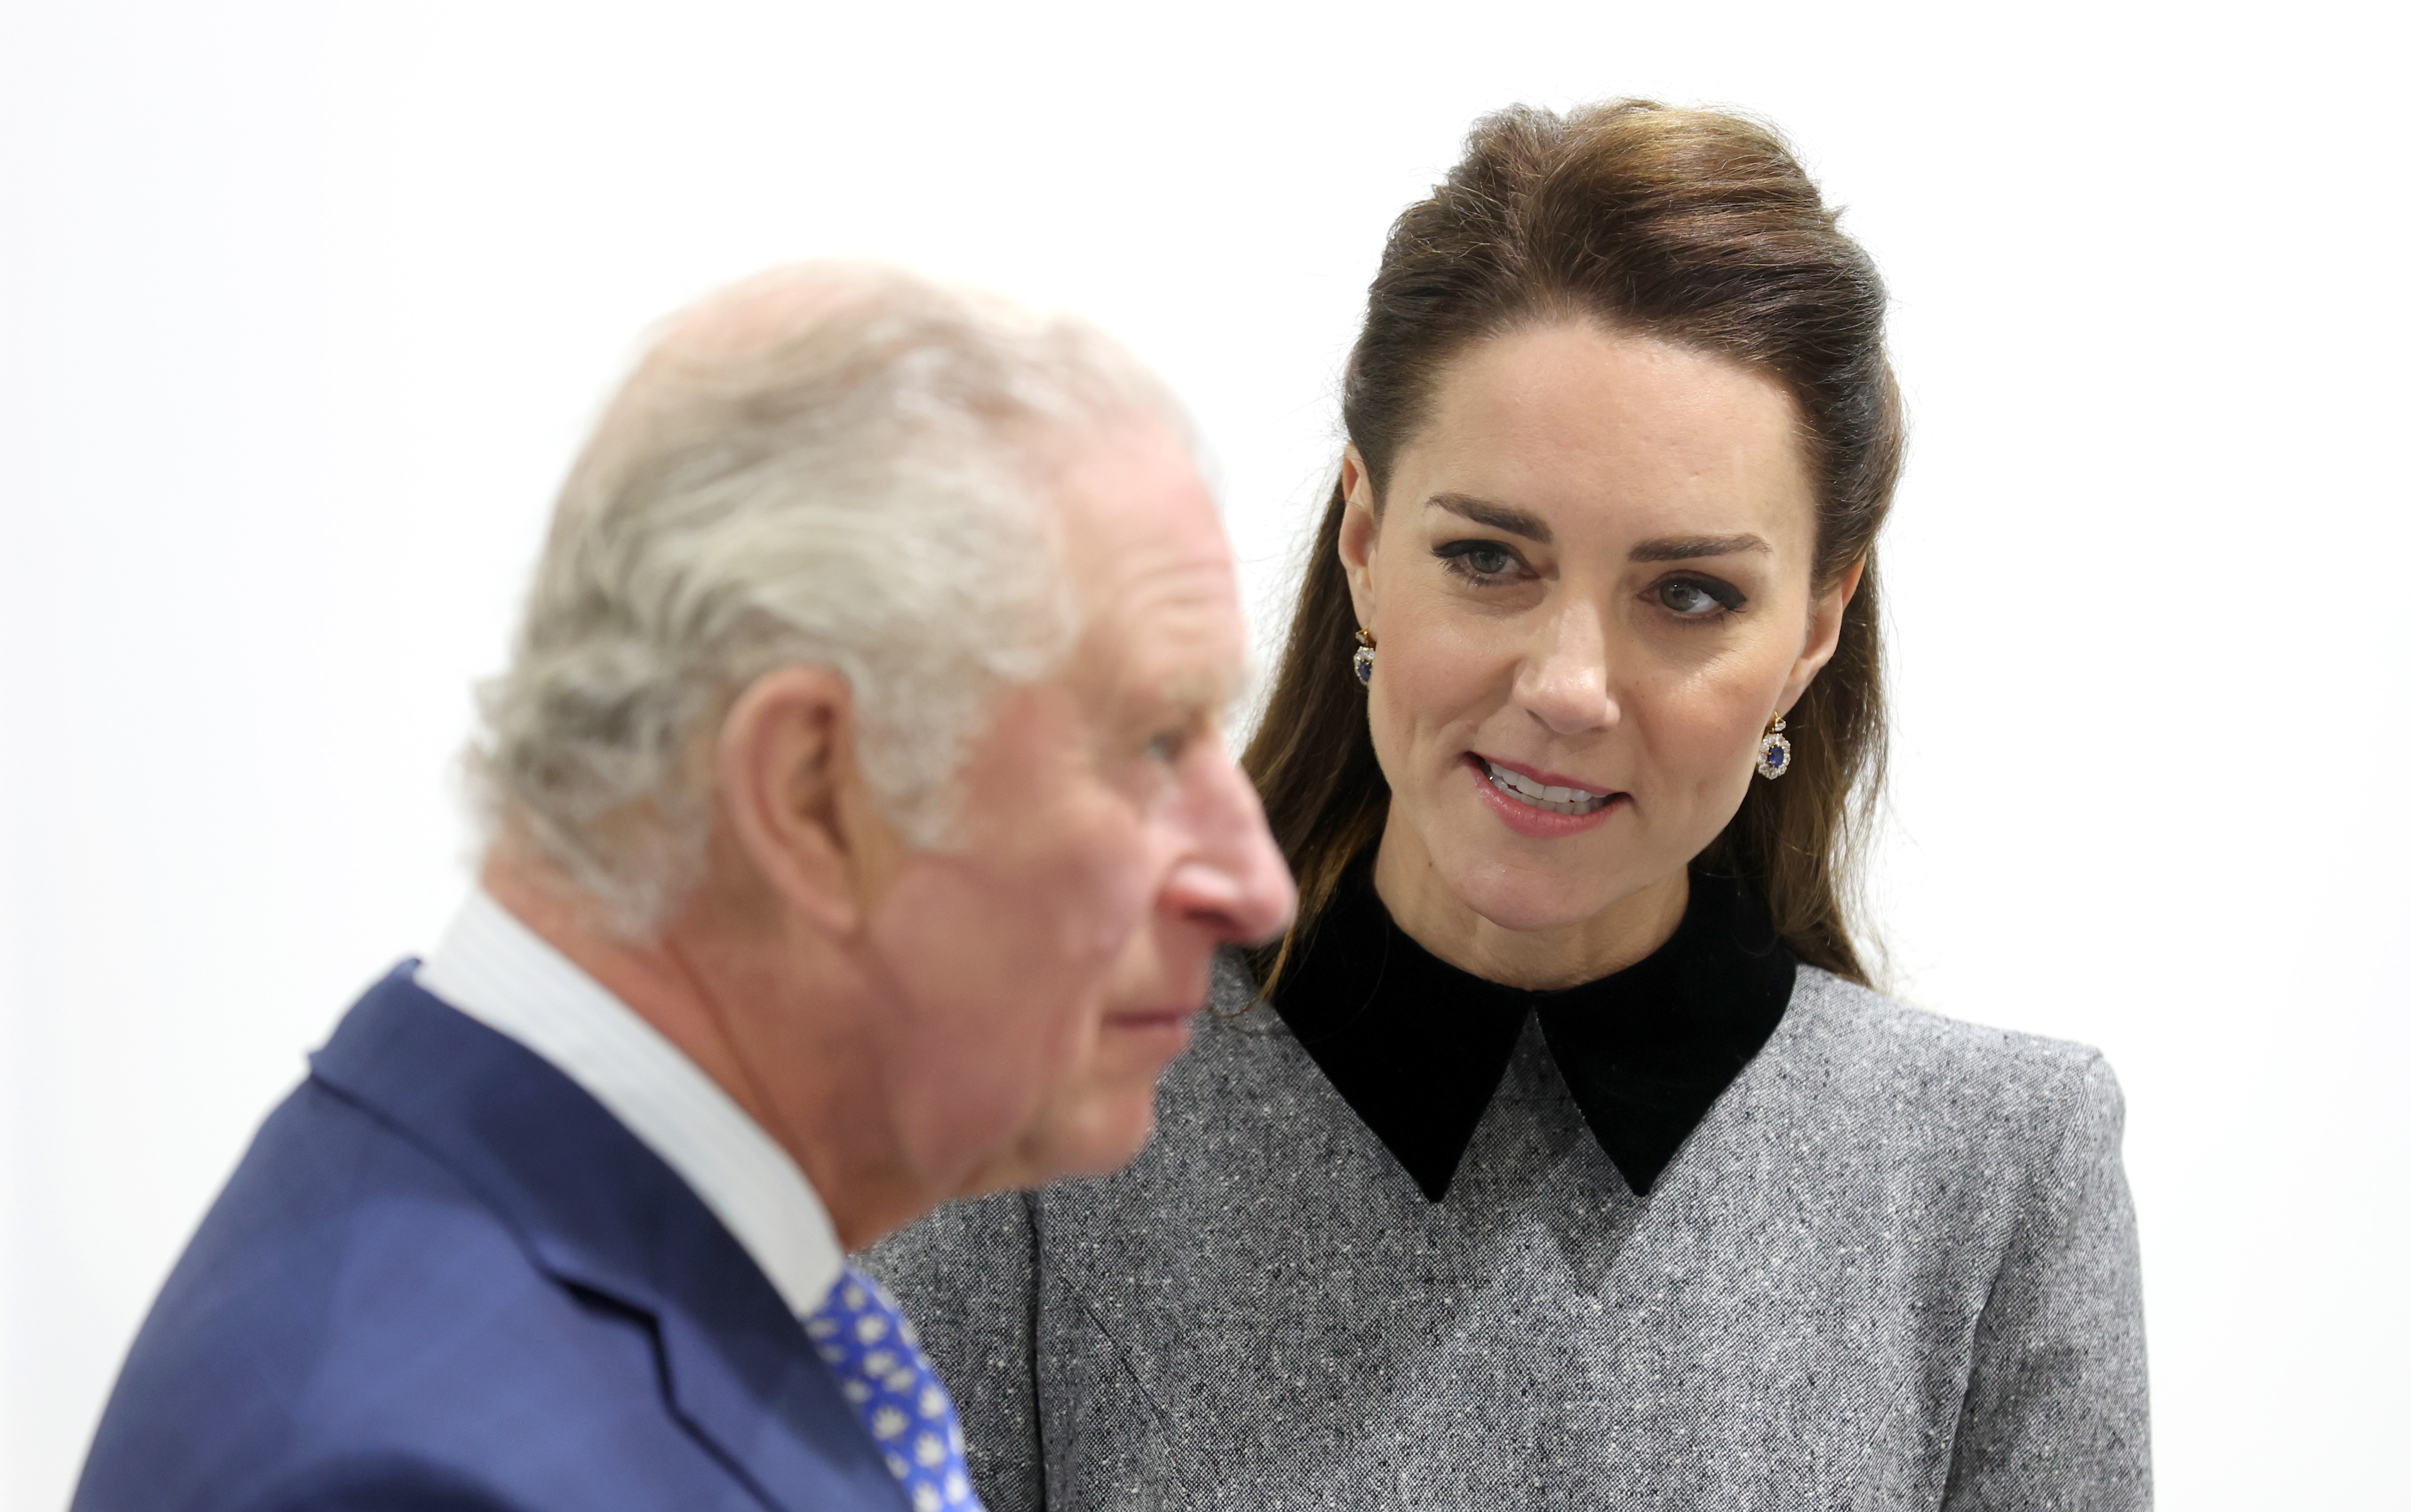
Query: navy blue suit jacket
x=445, y=1276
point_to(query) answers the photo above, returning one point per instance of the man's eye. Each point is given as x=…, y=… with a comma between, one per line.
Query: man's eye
x=1478, y=561
x=1696, y=600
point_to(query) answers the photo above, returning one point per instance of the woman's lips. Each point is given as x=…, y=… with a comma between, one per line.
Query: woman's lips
x=1546, y=779
x=1529, y=820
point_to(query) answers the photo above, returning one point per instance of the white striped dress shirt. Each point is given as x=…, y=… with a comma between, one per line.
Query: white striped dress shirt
x=503, y=974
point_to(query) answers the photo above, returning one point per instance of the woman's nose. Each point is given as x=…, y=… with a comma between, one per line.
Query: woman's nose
x=1563, y=681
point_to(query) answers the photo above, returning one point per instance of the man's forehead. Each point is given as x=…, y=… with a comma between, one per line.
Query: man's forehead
x=1129, y=481
x=1148, y=651
x=1144, y=546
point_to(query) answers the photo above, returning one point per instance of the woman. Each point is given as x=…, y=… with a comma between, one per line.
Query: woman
x=1575, y=1163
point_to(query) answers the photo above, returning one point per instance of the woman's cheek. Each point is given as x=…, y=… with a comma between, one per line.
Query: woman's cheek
x=1457, y=672
x=1409, y=690
x=1718, y=739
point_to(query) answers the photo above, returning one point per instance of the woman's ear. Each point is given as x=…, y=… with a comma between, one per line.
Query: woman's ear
x=1360, y=527
x=1824, y=633
x=790, y=783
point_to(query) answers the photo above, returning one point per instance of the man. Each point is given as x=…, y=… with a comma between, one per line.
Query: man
x=860, y=832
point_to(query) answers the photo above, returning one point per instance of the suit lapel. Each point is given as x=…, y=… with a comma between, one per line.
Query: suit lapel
x=599, y=1212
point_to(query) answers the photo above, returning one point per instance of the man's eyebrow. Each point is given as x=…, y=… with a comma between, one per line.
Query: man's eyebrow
x=1684, y=548
x=1197, y=693
x=1497, y=516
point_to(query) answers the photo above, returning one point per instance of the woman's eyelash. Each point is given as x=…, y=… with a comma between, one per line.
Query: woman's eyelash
x=1681, y=595
x=1489, y=563
x=1472, y=559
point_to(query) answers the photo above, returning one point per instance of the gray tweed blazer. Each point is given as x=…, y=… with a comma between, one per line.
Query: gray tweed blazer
x=1894, y=1267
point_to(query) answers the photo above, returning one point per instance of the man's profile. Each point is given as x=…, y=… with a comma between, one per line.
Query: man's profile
x=860, y=831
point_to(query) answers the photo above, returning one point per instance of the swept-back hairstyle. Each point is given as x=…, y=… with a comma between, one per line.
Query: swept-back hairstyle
x=835, y=464
x=1689, y=226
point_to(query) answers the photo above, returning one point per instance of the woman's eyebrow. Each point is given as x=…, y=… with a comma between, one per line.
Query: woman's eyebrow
x=1497, y=516
x=1685, y=547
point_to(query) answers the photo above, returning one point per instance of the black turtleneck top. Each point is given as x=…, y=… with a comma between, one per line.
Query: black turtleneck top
x=1418, y=1047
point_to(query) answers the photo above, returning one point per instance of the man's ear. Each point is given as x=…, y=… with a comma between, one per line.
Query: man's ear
x=1824, y=633
x=1358, y=528
x=790, y=783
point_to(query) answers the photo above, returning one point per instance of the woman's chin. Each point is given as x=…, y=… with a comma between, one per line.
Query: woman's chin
x=1513, y=895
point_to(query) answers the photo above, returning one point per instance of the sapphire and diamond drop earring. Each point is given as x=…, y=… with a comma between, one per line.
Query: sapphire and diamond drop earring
x=1363, y=659
x=1773, y=751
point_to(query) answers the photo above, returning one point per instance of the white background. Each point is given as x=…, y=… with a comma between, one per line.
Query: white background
x=305, y=306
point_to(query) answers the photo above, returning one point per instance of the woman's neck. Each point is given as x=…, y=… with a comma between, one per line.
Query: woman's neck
x=1420, y=902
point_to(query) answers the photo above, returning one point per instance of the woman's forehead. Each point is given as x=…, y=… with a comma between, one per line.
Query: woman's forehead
x=1577, y=430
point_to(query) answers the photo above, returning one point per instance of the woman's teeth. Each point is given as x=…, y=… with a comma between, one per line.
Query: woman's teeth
x=1555, y=800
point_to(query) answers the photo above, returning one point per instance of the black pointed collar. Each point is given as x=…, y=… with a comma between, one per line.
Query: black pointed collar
x=1417, y=1047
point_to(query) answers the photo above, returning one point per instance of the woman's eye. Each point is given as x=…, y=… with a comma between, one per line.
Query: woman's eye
x=1479, y=560
x=1166, y=747
x=1695, y=600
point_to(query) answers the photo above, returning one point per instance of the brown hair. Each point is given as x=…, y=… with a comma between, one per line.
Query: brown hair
x=1686, y=225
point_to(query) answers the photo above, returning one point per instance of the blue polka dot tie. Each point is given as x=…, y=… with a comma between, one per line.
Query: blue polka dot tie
x=878, y=1365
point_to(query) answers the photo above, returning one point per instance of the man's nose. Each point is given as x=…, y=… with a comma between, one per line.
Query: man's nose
x=1233, y=880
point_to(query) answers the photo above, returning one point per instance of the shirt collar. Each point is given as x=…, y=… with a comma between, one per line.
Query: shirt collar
x=498, y=971
x=1417, y=1047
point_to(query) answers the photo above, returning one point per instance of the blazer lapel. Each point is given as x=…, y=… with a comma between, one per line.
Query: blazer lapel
x=599, y=1212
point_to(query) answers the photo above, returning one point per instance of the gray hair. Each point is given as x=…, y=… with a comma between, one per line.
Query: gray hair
x=836, y=465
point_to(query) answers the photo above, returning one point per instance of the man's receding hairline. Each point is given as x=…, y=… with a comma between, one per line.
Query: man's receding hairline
x=729, y=322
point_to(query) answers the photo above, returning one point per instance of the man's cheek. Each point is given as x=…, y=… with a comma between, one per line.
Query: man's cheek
x=1131, y=884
